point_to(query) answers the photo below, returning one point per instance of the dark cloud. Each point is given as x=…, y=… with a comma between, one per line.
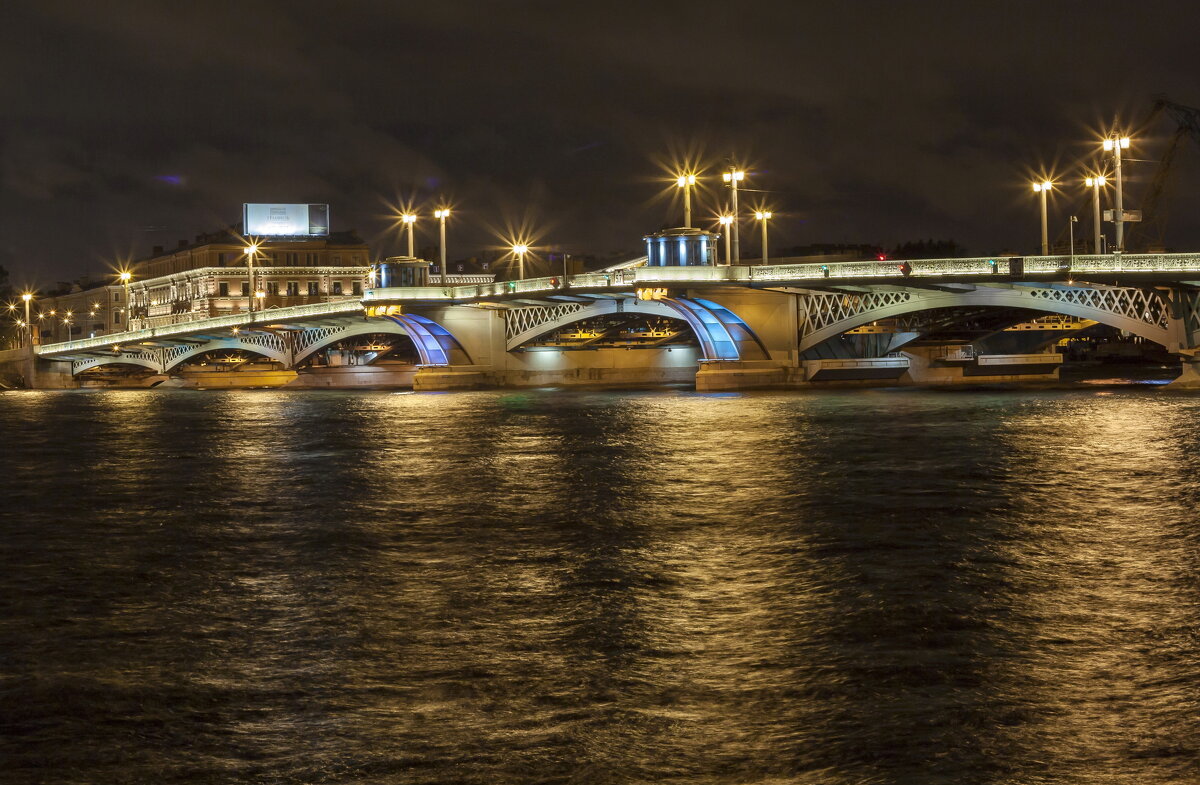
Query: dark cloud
x=137, y=123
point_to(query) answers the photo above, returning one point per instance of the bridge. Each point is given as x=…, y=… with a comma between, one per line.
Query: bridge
x=722, y=327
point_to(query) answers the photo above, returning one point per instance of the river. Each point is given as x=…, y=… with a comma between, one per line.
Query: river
x=876, y=586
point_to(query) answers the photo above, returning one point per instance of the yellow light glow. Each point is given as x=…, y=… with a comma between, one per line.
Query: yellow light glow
x=763, y=215
x=260, y=294
x=26, y=296
x=408, y=218
x=725, y=220
x=1124, y=141
x=444, y=213
x=251, y=249
x=520, y=250
x=686, y=179
x=1108, y=144
x=126, y=276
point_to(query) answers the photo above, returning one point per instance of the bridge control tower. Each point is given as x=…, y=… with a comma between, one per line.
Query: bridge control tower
x=403, y=271
x=681, y=248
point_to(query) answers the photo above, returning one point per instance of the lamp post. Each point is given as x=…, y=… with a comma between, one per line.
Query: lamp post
x=725, y=221
x=686, y=181
x=27, y=297
x=1096, y=183
x=764, y=216
x=1115, y=144
x=520, y=250
x=1071, y=233
x=1043, y=188
x=126, y=277
x=442, y=214
x=733, y=177
x=409, y=220
x=251, y=252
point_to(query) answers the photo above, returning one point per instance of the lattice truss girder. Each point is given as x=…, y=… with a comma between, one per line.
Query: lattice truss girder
x=519, y=320
x=825, y=309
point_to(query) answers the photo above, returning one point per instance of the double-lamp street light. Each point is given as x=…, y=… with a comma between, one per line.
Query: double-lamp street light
x=733, y=177
x=125, y=278
x=686, y=182
x=440, y=214
x=1096, y=183
x=519, y=250
x=27, y=298
x=726, y=221
x=1043, y=188
x=1115, y=144
x=409, y=219
x=764, y=216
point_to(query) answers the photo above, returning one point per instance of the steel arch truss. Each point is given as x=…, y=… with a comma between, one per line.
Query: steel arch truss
x=1143, y=312
x=273, y=346
x=145, y=358
x=306, y=343
x=721, y=333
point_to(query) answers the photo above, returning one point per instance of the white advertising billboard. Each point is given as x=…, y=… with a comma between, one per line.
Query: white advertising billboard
x=287, y=220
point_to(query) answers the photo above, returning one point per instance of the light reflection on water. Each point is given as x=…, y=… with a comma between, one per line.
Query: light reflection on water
x=547, y=586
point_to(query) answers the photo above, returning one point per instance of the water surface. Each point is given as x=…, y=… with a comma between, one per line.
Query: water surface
x=571, y=587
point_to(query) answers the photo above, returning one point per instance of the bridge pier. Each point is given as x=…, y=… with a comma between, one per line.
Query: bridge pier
x=430, y=378
x=1189, y=378
x=957, y=365
x=22, y=368
x=729, y=375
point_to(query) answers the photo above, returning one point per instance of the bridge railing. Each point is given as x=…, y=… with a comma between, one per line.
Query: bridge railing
x=244, y=319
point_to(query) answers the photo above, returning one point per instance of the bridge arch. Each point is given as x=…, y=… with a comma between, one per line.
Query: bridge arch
x=142, y=360
x=1142, y=312
x=309, y=342
x=269, y=345
x=721, y=333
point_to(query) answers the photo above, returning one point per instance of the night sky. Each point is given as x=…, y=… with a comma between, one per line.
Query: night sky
x=133, y=124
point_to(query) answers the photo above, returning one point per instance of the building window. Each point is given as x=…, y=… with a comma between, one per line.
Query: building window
x=293, y=288
x=272, y=287
x=245, y=288
x=312, y=289
x=337, y=260
x=337, y=287
x=356, y=287
x=223, y=289
x=116, y=317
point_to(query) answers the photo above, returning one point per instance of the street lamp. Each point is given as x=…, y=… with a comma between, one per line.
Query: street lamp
x=1096, y=183
x=733, y=177
x=764, y=216
x=409, y=220
x=251, y=252
x=686, y=181
x=1071, y=232
x=126, y=277
x=27, y=297
x=1115, y=144
x=726, y=220
x=520, y=250
x=442, y=214
x=1043, y=188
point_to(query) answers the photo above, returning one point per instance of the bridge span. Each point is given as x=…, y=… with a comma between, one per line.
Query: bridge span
x=934, y=321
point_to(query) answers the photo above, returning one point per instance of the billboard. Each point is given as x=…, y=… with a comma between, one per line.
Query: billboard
x=287, y=220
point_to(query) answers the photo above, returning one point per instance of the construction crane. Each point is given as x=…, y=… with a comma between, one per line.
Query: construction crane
x=1152, y=230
